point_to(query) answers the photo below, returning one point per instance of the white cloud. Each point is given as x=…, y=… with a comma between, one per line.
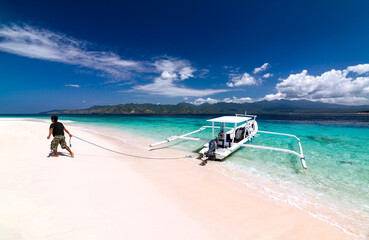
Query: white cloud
x=72, y=85
x=167, y=87
x=202, y=73
x=174, y=71
x=186, y=72
x=264, y=67
x=272, y=97
x=172, y=66
x=334, y=86
x=43, y=44
x=245, y=79
x=238, y=100
x=267, y=75
x=200, y=101
x=360, y=69
x=167, y=75
x=241, y=80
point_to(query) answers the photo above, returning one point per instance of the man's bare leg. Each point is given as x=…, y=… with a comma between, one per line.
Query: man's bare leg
x=55, y=153
x=70, y=151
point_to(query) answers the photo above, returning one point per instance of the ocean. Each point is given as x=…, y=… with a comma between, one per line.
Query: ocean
x=334, y=188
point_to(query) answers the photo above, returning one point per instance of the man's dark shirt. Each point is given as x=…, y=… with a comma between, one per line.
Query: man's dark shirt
x=58, y=129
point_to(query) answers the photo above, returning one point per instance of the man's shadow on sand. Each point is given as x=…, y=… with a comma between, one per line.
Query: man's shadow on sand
x=60, y=154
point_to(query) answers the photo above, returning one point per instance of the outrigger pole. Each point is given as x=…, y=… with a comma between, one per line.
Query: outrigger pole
x=172, y=138
x=184, y=136
x=300, y=155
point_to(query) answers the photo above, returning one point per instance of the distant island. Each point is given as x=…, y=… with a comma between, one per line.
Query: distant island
x=276, y=106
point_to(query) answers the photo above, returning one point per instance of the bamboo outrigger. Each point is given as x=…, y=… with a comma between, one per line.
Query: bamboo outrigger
x=242, y=131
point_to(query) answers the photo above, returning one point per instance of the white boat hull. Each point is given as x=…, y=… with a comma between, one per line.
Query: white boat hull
x=221, y=153
x=226, y=143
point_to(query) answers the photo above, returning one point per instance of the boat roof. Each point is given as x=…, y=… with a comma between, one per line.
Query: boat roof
x=230, y=119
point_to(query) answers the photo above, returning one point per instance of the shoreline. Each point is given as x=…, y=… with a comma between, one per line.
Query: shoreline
x=210, y=204
x=336, y=219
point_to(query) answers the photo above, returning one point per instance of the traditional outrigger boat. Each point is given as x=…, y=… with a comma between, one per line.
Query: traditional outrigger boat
x=242, y=129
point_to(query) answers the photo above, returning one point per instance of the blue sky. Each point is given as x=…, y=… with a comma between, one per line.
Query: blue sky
x=76, y=54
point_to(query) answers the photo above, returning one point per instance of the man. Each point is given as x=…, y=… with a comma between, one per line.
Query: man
x=57, y=129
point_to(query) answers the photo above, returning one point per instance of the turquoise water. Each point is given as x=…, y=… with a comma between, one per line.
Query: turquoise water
x=335, y=186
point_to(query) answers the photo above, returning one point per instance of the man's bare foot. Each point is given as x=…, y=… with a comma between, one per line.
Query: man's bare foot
x=54, y=155
x=72, y=155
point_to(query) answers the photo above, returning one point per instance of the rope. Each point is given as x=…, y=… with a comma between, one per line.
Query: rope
x=125, y=154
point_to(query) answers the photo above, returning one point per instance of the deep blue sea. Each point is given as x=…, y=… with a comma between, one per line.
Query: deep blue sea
x=335, y=187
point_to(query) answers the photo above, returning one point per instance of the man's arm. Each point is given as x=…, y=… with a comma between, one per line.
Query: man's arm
x=50, y=132
x=70, y=135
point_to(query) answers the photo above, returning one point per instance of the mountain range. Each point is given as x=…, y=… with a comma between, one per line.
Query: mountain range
x=276, y=106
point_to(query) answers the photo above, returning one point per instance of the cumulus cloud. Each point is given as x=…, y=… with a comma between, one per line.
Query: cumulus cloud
x=72, y=85
x=175, y=66
x=267, y=75
x=241, y=80
x=245, y=79
x=360, y=69
x=264, y=67
x=174, y=71
x=334, y=86
x=238, y=100
x=200, y=101
x=272, y=97
x=43, y=44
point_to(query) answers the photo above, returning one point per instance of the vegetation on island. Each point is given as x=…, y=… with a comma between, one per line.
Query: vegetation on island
x=277, y=106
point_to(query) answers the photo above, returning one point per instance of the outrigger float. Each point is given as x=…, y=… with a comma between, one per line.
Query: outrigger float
x=242, y=129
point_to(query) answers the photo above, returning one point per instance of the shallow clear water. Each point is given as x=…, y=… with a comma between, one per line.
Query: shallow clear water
x=336, y=147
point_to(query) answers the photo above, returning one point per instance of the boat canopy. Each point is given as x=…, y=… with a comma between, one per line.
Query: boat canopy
x=230, y=119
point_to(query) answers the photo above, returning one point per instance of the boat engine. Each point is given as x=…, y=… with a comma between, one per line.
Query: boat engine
x=210, y=154
x=212, y=146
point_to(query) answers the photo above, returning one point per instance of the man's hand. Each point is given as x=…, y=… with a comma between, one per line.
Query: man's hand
x=70, y=135
x=50, y=132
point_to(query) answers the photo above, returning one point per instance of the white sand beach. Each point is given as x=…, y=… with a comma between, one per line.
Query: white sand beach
x=104, y=195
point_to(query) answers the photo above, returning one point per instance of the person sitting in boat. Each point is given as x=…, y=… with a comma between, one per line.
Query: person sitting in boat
x=57, y=130
x=221, y=135
x=221, y=138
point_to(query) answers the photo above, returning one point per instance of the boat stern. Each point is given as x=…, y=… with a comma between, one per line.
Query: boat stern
x=219, y=153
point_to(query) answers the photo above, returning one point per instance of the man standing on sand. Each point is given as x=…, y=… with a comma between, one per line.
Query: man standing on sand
x=57, y=129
